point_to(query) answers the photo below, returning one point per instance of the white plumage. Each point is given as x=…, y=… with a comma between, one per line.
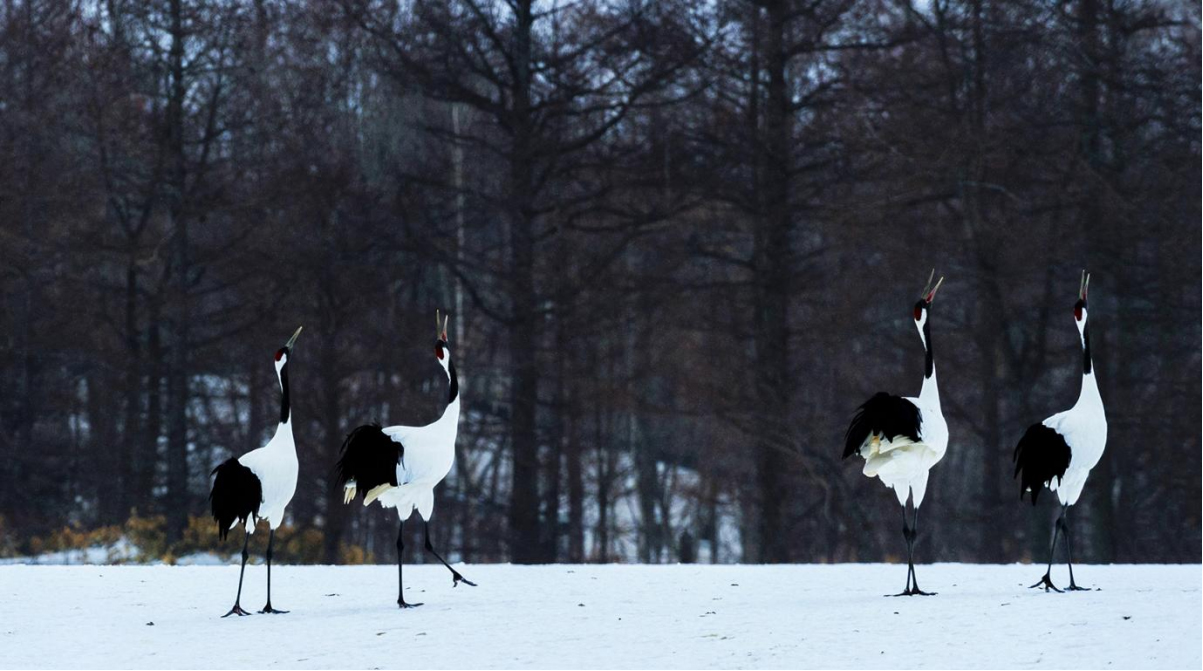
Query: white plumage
x=399, y=466
x=429, y=455
x=276, y=466
x=260, y=484
x=901, y=439
x=903, y=464
x=1084, y=428
x=1060, y=452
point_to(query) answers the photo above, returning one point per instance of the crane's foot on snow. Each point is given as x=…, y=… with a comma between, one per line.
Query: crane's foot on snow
x=274, y=611
x=913, y=592
x=456, y=579
x=1047, y=583
x=401, y=603
x=236, y=610
x=1074, y=588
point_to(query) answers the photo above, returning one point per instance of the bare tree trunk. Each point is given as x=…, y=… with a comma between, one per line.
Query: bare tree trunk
x=1100, y=540
x=104, y=450
x=132, y=437
x=576, y=497
x=574, y=469
x=463, y=464
x=148, y=458
x=178, y=499
x=647, y=481
x=990, y=543
x=335, y=511
x=525, y=523
x=556, y=440
x=772, y=265
x=604, y=480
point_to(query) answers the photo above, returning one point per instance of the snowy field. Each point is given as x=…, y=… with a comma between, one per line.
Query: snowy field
x=601, y=617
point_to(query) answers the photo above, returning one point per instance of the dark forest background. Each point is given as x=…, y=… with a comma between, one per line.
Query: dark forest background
x=679, y=242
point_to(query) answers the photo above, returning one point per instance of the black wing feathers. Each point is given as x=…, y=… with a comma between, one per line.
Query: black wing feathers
x=370, y=458
x=1041, y=455
x=236, y=495
x=886, y=415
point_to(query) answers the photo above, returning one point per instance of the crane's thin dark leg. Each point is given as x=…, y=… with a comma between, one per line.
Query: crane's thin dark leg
x=271, y=538
x=455, y=576
x=400, y=556
x=915, y=591
x=1047, y=581
x=1069, y=548
x=910, y=567
x=908, y=534
x=237, y=609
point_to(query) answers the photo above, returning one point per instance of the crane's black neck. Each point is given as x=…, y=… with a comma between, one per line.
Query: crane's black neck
x=453, y=392
x=1087, y=367
x=285, y=409
x=930, y=363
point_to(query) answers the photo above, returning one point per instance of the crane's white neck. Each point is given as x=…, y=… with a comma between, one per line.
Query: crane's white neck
x=1089, y=396
x=451, y=413
x=921, y=325
x=930, y=392
x=452, y=409
x=1090, y=391
x=282, y=378
x=283, y=439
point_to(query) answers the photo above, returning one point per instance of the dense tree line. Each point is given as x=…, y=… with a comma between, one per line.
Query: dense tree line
x=679, y=243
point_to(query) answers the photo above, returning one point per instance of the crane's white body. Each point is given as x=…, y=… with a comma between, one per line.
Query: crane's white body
x=1084, y=428
x=428, y=455
x=902, y=438
x=903, y=464
x=276, y=466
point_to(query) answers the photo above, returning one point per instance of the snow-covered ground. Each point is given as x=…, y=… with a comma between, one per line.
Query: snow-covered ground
x=122, y=552
x=601, y=617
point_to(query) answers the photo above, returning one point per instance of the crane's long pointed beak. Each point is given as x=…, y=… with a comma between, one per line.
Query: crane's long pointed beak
x=934, y=289
x=927, y=287
x=293, y=339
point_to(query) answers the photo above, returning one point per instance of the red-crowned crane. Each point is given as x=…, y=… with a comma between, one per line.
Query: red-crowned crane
x=399, y=466
x=259, y=484
x=900, y=438
x=1059, y=452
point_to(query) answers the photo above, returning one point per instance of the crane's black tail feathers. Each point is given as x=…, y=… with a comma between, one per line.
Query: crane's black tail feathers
x=236, y=495
x=1041, y=455
x=888, y=416
x=369, y=458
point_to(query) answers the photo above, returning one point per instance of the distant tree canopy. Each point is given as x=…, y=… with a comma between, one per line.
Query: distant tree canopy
x=679, y=243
